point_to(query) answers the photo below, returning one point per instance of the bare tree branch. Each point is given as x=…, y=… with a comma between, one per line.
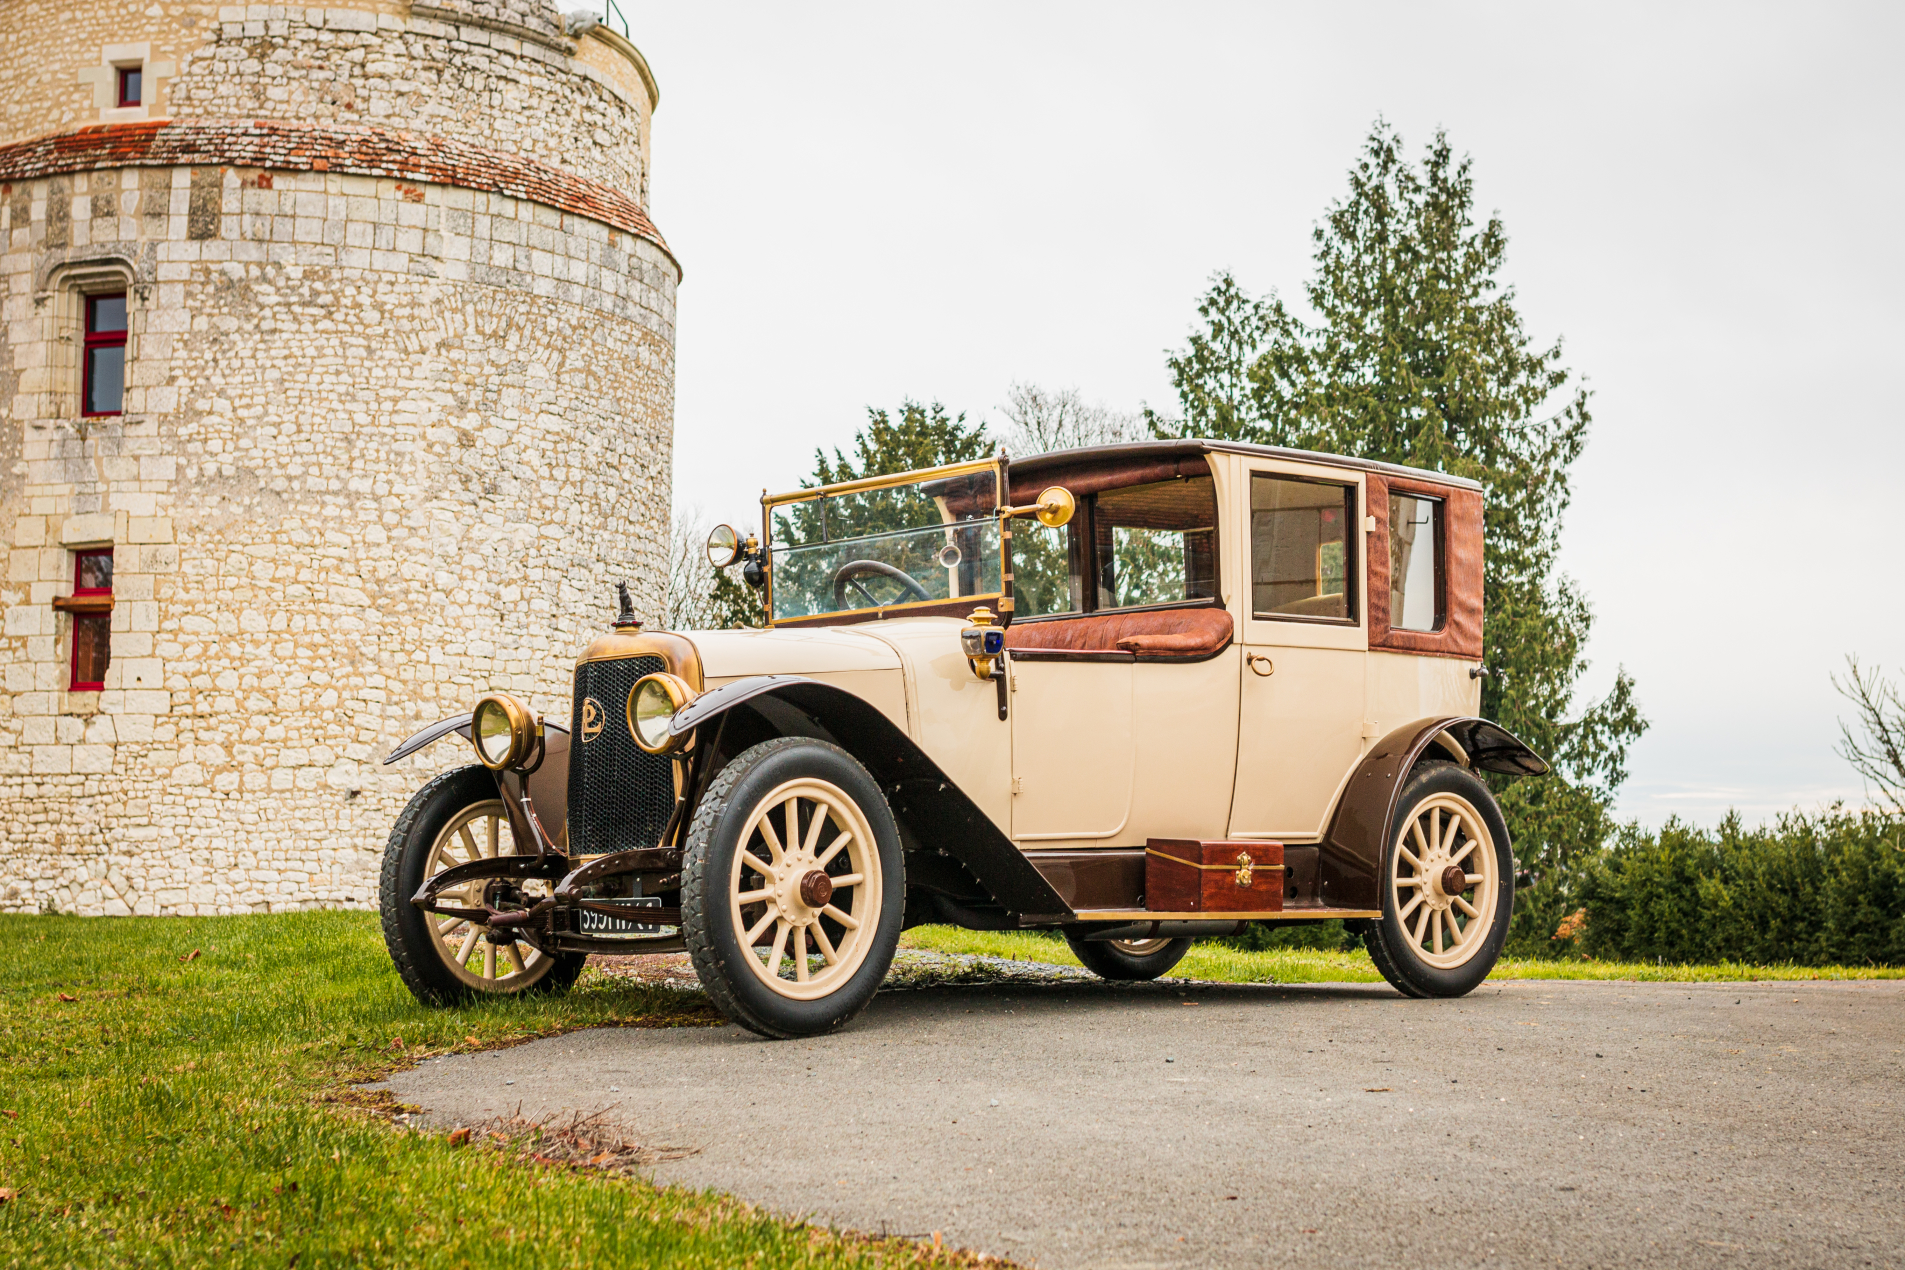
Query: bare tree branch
x=1878, y=750
x=1043, y=419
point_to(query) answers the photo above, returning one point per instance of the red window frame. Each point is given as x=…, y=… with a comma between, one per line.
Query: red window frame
x=92, y=621
x=132, y=77
x=102, y=339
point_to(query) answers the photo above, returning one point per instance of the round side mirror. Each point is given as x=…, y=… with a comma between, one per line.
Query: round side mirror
x=1055, y=507
x=724, y=546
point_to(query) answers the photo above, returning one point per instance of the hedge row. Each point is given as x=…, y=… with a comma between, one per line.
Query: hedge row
x=1816, y=890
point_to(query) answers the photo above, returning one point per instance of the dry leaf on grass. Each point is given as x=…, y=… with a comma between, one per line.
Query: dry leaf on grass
x=191, y=956
x=67, y=996
x=459, y=1136
x=583, y=1142
x=7, y=1193
x=11, y=1115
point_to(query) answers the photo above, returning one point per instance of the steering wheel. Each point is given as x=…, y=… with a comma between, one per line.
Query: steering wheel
x=851, y=571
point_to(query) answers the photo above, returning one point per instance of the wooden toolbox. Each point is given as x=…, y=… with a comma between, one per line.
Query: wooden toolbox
x=1190, y=875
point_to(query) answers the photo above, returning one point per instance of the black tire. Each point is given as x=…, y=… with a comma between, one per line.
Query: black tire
x=1407, y=954
x=715, y=922
x=1128, y=960
x=422, y=963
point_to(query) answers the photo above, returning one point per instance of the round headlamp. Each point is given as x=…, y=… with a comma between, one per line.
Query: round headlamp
x=503, y=730
x=652, y=702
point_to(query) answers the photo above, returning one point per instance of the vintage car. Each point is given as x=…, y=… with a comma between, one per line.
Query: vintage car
x=1136, y=694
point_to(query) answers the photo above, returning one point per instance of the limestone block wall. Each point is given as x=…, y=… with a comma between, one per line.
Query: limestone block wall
x=399, y=412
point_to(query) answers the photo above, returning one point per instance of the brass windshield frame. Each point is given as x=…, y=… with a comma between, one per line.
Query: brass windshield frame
x=769, y=502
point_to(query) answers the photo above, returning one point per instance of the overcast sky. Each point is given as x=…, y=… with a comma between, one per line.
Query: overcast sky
x=883, y=201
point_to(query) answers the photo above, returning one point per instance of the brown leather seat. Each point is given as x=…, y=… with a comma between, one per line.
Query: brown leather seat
x=1154, y=635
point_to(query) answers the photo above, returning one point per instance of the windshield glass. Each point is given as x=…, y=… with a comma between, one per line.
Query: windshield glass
x=925, y=540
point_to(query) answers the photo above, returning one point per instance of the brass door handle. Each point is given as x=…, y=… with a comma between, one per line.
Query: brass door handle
x=1261, y=664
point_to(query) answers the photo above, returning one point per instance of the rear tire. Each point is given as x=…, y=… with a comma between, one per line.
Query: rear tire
x=792, y=857
x=456, y=817
x=1128, y=960
x=1439, y=937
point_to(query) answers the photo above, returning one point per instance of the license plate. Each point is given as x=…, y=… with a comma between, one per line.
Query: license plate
x=593, y=923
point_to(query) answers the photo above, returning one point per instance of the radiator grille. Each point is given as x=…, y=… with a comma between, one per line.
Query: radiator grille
x=620, y=797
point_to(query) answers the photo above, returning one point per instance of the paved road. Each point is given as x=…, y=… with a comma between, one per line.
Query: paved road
x=1091, y=1125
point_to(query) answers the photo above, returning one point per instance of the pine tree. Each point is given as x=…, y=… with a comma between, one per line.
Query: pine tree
x=1416, y=354
x=922, y=436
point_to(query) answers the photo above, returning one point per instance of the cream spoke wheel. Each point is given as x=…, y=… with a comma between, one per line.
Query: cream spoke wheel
x=480, y=832
x=1138, y=947
x=806, y=874
x=1444, y=875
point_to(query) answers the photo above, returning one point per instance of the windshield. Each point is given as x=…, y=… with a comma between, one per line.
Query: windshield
x=930, y=539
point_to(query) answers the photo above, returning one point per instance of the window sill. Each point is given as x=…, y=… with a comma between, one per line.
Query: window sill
x=88, y=604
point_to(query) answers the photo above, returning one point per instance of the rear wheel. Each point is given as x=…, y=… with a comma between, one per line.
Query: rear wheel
x=453, y=820
x=1448, y=886
x=792, y=888
x=1128, y=959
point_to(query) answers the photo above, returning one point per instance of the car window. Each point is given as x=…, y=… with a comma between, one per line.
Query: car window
x=907, y=543
x=1300, y=563
x=1415, y=574
x=1048, y=569
x=1156, y=544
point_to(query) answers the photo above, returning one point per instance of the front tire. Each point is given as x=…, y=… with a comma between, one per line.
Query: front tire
x=793, y=857
x=1448, y=886
x=456, y=818
x=1128, y=960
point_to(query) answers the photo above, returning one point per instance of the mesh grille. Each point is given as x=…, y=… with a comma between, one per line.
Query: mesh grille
x=620, y=798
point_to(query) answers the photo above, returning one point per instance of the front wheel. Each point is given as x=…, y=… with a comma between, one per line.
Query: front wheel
x=453, y=820
x=1128, y=960
x=792, y=888
x=1448, y=886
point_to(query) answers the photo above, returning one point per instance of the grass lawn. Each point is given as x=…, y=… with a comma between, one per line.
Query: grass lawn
x=1307, y=965
x=161, y=1109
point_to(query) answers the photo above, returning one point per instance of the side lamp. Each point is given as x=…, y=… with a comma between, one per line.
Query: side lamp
x=983, y=642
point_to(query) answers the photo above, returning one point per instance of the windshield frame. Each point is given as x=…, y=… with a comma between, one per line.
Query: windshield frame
x=999, y=601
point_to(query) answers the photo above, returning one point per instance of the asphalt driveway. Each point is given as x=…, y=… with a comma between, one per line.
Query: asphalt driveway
x=1082, y=1124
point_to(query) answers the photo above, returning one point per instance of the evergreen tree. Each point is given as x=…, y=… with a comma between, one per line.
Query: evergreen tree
x=1416, y=354
x=922, y=436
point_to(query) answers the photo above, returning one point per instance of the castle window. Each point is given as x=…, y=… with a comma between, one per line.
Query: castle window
x=131, y=86
x=91, y=607
x=103, y=389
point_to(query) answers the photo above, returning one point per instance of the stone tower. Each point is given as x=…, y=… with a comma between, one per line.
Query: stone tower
x=336, y=386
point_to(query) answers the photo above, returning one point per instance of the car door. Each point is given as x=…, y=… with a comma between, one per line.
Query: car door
x=1301, y=717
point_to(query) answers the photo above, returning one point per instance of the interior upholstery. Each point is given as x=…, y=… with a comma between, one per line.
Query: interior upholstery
x=1153, y=634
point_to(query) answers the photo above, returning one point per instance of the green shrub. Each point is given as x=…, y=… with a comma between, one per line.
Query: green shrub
x=1812, y=890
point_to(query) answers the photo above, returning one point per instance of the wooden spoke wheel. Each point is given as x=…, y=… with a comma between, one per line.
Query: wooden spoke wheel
x=1444, y=881
x=444, y=960
x=1127, y=959
x=792, y=888
x=1447, y=885
x=805, y=887
x=481, y=831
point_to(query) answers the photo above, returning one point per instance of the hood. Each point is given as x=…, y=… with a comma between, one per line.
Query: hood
x=803, y=650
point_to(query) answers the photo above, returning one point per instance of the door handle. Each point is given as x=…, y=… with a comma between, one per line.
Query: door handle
x=1261, y=664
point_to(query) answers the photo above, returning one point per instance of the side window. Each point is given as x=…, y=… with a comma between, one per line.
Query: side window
x=92, y=619
x=1415, y=563
x=1048, y=569
x=103, y=374
x=1300, y=562
x=1156, y=544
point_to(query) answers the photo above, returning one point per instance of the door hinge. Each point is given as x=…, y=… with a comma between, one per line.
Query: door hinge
x=1018, y=786
x=1372, y=730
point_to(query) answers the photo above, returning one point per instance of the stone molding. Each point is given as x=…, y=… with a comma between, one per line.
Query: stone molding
x=354, y=150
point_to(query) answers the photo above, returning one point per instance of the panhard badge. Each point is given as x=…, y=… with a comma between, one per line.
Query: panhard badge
x=591, y=720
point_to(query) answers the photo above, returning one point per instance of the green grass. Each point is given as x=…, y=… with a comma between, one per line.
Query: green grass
x=192, y=1113
x=1212, y=961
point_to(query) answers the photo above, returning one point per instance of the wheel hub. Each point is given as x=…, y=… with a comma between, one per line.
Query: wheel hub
x=1454, y=881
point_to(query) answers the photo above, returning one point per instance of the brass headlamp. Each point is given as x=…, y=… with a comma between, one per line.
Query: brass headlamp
x=504, y=731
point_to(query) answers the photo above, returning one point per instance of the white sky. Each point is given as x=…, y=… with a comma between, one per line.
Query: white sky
x=880, y=201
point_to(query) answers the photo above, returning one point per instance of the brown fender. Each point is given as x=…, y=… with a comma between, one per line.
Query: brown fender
x=1350, y=862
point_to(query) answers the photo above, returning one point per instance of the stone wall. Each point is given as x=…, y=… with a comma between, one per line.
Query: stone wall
x=387, y=443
